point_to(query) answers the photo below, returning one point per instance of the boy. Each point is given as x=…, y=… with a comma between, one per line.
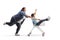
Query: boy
x=35, y=23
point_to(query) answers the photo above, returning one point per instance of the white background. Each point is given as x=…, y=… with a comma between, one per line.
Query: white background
x=45, y=8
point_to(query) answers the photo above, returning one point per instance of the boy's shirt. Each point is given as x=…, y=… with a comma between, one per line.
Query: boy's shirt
x=34, y=21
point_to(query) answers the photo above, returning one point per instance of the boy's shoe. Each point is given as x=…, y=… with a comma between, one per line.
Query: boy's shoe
x=29, y=34
x=43, y=34
x=47, y=19
x=4, y=23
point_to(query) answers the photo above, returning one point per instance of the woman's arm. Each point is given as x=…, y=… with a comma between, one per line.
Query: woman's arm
x=27, y=16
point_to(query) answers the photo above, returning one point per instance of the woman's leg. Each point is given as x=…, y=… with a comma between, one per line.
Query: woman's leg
x=18, y=28
x=22, y=21
x=11, y=22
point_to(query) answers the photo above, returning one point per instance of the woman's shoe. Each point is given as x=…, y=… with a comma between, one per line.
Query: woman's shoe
x=17, y=35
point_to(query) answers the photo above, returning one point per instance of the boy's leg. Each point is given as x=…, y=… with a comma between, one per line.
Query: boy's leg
x=30, y=31
x=18, y=28
x=43, y=33
x=42, y=21
x=40, y=29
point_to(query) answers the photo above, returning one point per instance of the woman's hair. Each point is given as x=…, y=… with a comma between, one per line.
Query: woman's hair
x=32, y=15
x=23, y=8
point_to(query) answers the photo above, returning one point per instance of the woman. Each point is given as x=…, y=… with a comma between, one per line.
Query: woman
x=16, y=18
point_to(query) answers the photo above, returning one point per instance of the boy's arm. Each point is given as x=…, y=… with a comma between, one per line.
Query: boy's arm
x=37, y=19
x=35, y=11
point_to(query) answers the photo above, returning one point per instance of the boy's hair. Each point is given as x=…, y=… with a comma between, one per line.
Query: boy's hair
x=32, y=15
